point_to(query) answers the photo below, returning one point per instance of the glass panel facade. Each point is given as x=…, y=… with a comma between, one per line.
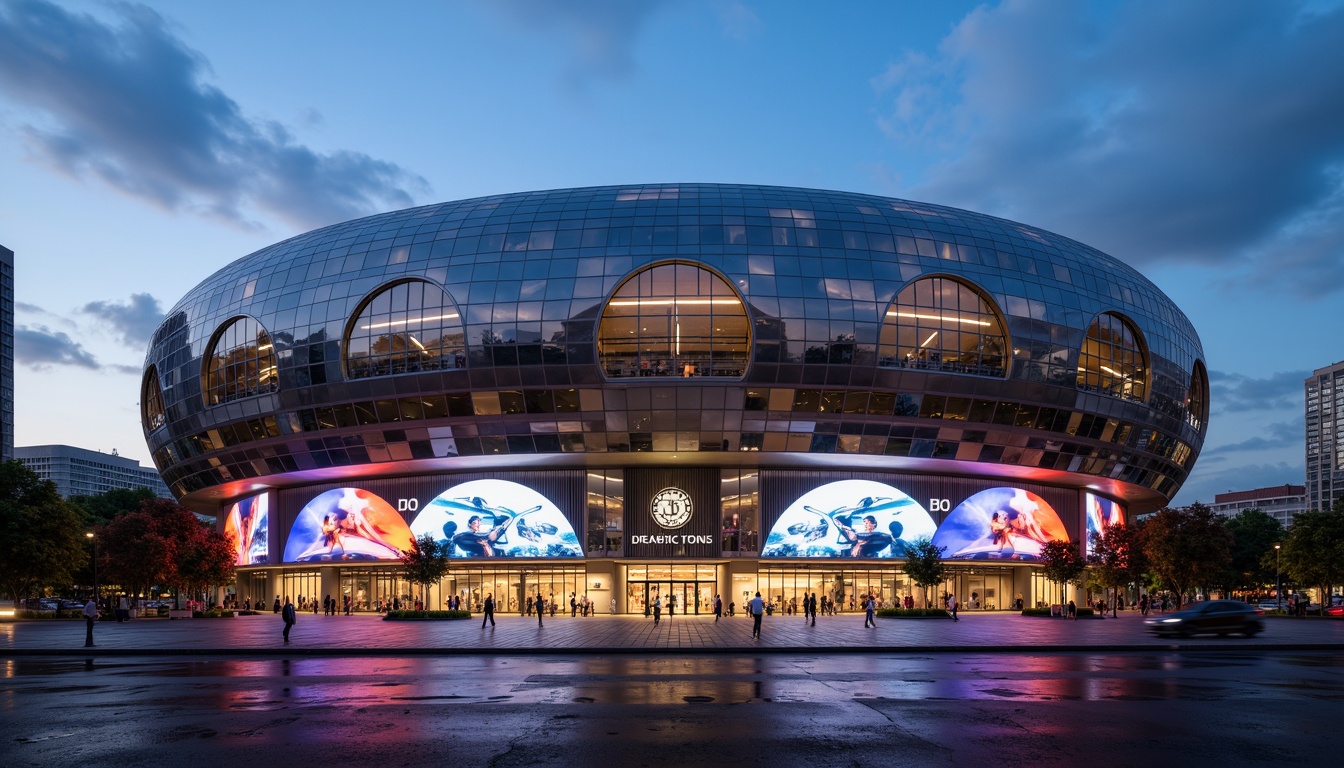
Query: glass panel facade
x=674, y=320
x=1112, y=360
x=942, y=324
x=1197, y=409
x=682, y=589
x=302, y=588
x=741, y=508
x=606, y=499
x=152, y=397
x=241, y=363
x=407, y=328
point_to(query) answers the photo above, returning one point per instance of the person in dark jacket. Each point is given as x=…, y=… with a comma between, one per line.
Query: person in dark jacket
x=489, y=611
x=541, y=607
x=289, y=616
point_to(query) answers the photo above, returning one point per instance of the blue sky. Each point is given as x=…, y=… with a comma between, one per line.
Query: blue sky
x=142, y=147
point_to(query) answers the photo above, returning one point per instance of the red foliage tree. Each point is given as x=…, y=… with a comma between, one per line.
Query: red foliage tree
x=164, y=544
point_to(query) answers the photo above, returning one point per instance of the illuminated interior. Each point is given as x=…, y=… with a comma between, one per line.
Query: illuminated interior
x=1112, y=360
x=241, y=363
x=1197, y=406
x=406, y=328
x=943, y=324
x=152, y=399
x=674, y=320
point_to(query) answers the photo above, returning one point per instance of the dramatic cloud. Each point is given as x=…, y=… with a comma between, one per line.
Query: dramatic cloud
x=39, y=348
x=132, y=323
x=1234, y=392
x=1283, y=434
x=127, y=103
x=1208, y=132
x=601, y=33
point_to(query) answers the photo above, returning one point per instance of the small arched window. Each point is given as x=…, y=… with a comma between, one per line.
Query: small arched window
x=240, y=362
x=674, y=320
x=943, y=324
x=152, y=414
x=1197, y=405
x=1113, y=360
x=406, y=327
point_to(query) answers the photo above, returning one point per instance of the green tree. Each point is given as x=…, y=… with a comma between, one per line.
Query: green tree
x=1313, y=551
x=1062, y=564
x=426, y=562
x=1111, y=554
x=1254, y=535
x=42, y=538
x=924, y=565
x=103, y=507
x=1187, y=548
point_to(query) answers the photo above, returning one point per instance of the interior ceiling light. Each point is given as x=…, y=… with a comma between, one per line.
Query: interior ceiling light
x=940, y=318
x=408, y=321
x=669, y=302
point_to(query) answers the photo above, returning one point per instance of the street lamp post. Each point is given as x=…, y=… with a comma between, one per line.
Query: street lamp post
x=94, y=539
x=1278, y=585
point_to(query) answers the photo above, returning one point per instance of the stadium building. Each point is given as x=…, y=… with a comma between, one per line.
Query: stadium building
x=671, y=391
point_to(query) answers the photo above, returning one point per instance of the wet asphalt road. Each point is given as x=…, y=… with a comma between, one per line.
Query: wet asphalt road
x=1156, y=708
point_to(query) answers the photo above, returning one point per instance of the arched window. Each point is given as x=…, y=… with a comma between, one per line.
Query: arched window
x=407, y=327
x=674, y=320
x=151, y=401
x=1113, y=360
x=943, y=324
x=1197, y=405
x=240, y=362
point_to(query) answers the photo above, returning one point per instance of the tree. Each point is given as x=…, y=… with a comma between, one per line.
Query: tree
x=1313, y=552
x=924, y=565
x=42, y=538
x=426, y=562
x=1062, y=564
x=205, y=560
x=1187, y=548
x=1254, y=535
x=134, y=553
x=103, y=507
x=1111, y=548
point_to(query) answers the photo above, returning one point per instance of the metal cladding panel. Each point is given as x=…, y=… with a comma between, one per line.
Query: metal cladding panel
x=698, y=537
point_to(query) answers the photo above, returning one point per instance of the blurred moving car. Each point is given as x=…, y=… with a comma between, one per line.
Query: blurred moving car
x=1219, y=617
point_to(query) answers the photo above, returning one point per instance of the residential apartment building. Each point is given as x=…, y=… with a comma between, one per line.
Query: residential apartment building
x=1325, y=436
x=1282, y=502
x=6, y=354
x=81, y=472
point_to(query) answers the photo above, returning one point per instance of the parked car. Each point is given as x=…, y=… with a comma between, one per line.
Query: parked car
x=1220, y=617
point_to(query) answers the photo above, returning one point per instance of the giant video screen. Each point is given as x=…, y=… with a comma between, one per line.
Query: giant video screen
x=849, y=518
x=999, y=524
x=497, y=518
x=1101, y=514
x=247, y=526
x=346, y=524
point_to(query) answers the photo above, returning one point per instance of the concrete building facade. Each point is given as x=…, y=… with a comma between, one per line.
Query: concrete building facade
x=81, y=472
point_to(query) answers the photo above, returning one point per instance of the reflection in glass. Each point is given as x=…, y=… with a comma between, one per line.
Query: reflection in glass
x=1112, y=360
x=674, y=320
x=943, y=324
x=152, y=397
x=406, y=328
x=1197, y=406
x=241, y=363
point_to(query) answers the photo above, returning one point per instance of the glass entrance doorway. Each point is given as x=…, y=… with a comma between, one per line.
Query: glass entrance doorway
x=683, y=589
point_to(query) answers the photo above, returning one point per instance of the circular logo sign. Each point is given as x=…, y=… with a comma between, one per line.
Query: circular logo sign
x=671, y=508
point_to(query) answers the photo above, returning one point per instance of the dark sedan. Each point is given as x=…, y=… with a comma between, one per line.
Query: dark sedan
x=1220, y=617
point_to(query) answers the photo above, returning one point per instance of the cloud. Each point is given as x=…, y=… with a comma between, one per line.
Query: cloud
x=134, y=322
x=1240, y=477
x=1204, y=132
x=1235, y=392
x=39, y=348
x=1283, y=434
x=127, y=102
x=600, y=33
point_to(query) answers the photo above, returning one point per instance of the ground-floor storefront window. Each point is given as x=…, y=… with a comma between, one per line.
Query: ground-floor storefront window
x=987, y=588
x=684, y=589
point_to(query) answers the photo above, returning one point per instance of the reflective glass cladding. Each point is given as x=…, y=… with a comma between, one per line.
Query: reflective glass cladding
x=542, y=283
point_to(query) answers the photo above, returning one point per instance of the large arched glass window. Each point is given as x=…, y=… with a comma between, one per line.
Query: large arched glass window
x=674, y=320
x=240, y=362
x=1112, y=359
x=1197, y=406
x=407, y=327
x=943, y=324
x=151, y=401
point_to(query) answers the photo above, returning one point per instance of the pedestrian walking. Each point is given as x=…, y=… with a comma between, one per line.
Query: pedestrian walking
x=671, y=605
x=489, y=609
x=718, y=609
x=1073, y=611
x=952, y=606
x=276, y=607
x=573, y=605
x=289, y=616
x=869, y=612
x=540, y=604
x=813, y=601
x=757, y=609
x=90, y=616
x=657, y=610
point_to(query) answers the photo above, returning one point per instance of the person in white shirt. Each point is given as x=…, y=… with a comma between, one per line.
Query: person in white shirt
x=90, y=616
x=757, y=608
x=952, y=606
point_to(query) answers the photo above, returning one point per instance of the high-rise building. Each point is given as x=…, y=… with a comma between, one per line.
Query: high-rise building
x=1325, y=436
x=81, y=472
x=6, y=354
x=1281, y=502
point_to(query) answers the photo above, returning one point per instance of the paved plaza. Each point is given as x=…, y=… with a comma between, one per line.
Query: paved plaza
x=370, y=634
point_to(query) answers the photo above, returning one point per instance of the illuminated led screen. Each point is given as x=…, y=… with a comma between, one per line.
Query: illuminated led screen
x=999, y=524
x=347, y=524
x=849, y=518
x=497, y=518
x=246, y=525
x=1101, y=514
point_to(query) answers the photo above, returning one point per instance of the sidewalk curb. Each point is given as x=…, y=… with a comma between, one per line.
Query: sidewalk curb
x=631, y=651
